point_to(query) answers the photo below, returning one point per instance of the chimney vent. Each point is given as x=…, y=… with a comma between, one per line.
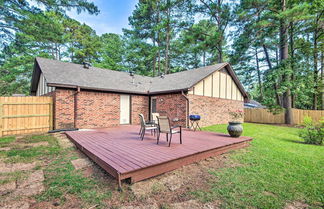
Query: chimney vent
x=86, y=65
x=131, y=73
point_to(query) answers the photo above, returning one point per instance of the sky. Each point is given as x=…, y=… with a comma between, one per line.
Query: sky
x=113, y=16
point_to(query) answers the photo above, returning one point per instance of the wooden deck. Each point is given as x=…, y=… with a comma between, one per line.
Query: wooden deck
x=123, y=155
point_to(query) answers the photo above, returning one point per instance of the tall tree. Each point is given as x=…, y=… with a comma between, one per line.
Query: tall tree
x=283, y=59
x=14, y=12
x=111, y=52
x=220, y=13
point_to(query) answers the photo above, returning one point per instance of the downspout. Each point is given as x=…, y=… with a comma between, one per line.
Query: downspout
x=76, y=105
x=187, y=108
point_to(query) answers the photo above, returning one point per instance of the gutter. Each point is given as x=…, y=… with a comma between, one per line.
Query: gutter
x=144, y=93
x=95, y=89
x=187, y=108
x=75, y=112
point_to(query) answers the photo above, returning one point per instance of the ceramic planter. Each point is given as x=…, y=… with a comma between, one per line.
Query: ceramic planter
x=235, y=129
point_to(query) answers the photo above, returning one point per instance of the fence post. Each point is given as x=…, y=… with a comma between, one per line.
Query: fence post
x=51, y=114
x=1, y=120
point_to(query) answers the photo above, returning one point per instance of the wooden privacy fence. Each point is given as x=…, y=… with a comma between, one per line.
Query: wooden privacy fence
x=265, y=116
x=23, y=115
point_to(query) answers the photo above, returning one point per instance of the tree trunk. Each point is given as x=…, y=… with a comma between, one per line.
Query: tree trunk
x=275, y=85
x=322, y=81
x=259, y=73
x=166, y=69
x=315, y=58
x=277, y=56
x=159, y=60
x=292, y=61
x=204, y=58
x=154, y=59
x=283, y=59
x=158, y=41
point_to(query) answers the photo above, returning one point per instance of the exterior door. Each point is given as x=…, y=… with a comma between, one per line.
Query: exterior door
x=153, y=105
x=124, y=109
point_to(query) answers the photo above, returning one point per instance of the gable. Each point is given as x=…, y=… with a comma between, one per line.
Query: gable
x=219, y=84
x=42, y=87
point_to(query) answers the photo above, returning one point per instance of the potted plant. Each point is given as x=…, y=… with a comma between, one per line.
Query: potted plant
x=235, y=127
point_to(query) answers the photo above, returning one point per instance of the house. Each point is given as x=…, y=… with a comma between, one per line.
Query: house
x=90, y=97
x=250, y=103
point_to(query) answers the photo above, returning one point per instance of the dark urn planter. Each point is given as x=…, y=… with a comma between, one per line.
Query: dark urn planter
x=235, y=129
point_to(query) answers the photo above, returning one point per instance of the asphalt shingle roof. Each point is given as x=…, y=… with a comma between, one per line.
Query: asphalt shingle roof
x=59, y=73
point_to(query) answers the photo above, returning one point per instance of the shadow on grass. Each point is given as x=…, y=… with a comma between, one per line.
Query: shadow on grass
x=292, y=140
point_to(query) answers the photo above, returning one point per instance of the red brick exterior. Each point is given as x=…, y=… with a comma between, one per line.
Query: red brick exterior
x=140, y=105
x=97, y=109
x=63, y=109
x=174, y=106
x=89, y=109
x=213, y=110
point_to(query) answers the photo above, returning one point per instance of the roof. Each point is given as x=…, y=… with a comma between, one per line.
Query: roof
x=253, y=104
x=70, y=75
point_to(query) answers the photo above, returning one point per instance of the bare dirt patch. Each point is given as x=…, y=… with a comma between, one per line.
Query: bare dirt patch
x=296, y=205
x=81, y=163
x=7, y=188
x=37, y=144
x=5, y=148
x=149, y=206
x=16, y=205
x=71, y=202
x=175, y=187
x=7, y=167
x=31, y=186
x=63, y=141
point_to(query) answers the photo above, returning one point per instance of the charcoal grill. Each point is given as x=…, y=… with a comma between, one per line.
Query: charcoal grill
x=194, y=122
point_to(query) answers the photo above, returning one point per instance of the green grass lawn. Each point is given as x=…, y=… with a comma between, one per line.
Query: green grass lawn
x=275, y=170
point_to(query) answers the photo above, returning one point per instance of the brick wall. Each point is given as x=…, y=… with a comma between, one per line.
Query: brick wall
x=174, y=106
x=94, y=109
x=63, y=109
x=140, y=105
x=212, y=110
x=97, y=109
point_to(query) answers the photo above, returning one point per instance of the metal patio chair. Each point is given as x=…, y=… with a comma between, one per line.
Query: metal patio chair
x=164, y=127
x=155, y=117
x=146, y=126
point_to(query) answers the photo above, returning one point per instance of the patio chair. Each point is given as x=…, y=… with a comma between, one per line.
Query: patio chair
x=164, y=127
x=147, y=123
x=145, y=127
x=154, y=117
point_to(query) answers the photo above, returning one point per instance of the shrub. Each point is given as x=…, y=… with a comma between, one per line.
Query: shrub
x=312, y=133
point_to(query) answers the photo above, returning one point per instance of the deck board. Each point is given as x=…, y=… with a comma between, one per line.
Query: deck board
x=121, y=153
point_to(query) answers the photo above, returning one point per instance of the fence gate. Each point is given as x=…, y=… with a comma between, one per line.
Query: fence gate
x=23, y=115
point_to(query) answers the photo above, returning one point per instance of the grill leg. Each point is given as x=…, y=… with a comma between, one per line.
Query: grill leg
x=198, y=126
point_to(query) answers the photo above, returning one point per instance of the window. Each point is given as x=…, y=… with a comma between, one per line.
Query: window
x=153, y=105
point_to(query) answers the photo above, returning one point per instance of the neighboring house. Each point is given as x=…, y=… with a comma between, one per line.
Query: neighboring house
x=253, y=104
x=89, y=97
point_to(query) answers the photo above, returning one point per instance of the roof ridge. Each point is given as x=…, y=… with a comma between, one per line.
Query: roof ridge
x=99, y=68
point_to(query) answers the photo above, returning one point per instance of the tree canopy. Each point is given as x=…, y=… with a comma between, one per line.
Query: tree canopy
x=275, y=46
